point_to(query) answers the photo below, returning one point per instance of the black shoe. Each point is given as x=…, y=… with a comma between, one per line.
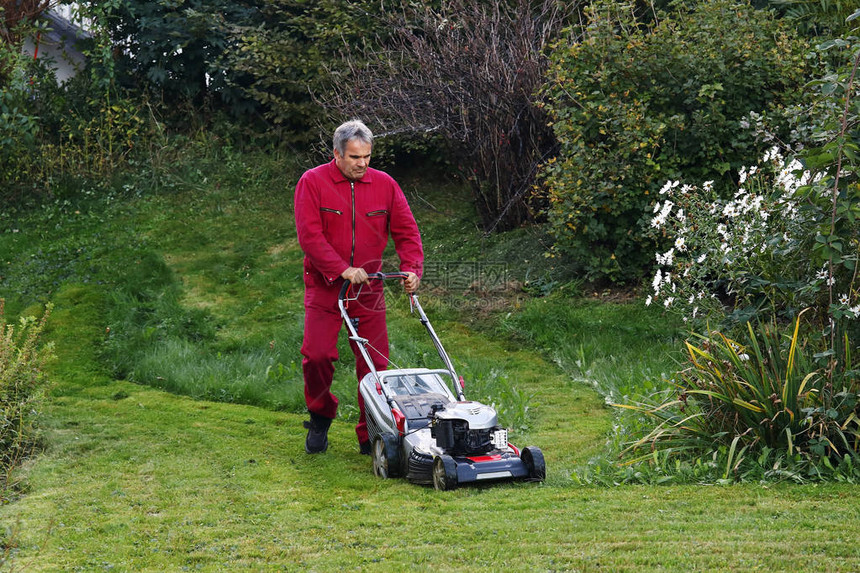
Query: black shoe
x=364, y=448
x=317, y=440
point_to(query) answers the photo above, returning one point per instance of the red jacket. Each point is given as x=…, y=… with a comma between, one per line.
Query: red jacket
x=342, y=224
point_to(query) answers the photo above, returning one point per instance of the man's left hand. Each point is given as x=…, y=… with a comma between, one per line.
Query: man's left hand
x=411, y=282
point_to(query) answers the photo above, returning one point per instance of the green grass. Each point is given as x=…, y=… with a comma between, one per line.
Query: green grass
x=199, y=285
x=622, y=349
x=138, y=480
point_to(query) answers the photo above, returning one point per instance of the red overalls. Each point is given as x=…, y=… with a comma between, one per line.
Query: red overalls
x=342, y=224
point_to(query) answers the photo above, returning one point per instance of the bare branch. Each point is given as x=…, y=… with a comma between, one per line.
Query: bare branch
x=468, y=73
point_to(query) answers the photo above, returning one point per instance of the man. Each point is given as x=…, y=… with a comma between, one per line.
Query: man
x=345, y=212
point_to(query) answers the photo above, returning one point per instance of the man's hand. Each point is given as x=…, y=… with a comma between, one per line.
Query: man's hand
x=355, y=275
x=411, y=282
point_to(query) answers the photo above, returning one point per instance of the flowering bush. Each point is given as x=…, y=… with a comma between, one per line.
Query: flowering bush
x=635, y=100
x=755, y=254
x=785, y=245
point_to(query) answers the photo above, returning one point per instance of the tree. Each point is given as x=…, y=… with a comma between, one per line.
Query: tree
x=467, y=73
x=176, y=48
x=295, y=50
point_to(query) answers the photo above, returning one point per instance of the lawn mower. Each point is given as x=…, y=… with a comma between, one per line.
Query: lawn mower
x=419, y=429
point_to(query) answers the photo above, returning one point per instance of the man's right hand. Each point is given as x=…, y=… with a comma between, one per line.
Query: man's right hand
x=355, y=275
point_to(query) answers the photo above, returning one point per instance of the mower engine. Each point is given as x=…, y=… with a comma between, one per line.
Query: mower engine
x=467, y=428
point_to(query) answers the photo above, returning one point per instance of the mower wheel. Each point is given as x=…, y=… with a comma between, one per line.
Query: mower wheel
x=444, y=473
x=386, y=456
x=533, y=459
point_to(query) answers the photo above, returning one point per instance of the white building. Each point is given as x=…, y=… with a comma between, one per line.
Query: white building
x=59, y=44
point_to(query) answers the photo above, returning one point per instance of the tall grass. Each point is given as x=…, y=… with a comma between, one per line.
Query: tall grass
x=622, y=349
x=22, y=385
x=245, y=376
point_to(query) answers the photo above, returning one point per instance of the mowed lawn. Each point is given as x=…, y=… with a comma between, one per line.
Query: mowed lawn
x=136, y=479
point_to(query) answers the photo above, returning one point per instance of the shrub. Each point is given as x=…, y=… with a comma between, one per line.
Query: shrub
x=635, y=103
x=786, y=240
x=21, y=78
x=759, y=254
x=785, y=245
x=175, y=51
x=83, y=128
x=763, y=392
x=22, y=382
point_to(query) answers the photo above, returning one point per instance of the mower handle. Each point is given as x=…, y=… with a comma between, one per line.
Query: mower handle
x=413, y=304
x=371, y=276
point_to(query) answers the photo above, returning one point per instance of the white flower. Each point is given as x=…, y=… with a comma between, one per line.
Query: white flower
x=708, y=186
x=661, y=217
x=668, y=302
x=730, y=210
x=844, y=300
x=648, y=301
x=702, y=258
x=788, y=181
x=666, y=258
x=658, y=278
x=679, y=244
x=855, y=310
x=668, y=187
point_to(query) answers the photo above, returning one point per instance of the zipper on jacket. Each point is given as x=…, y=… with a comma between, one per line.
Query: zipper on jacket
x=352, y=253
x=327, y=210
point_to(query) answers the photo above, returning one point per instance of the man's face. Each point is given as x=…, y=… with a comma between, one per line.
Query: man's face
x=353, y=163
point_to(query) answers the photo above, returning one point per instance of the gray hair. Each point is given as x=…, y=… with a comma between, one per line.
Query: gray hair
x=353, y=129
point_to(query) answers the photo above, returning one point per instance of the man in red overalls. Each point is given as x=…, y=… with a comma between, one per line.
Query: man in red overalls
x=345, y=212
